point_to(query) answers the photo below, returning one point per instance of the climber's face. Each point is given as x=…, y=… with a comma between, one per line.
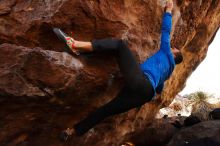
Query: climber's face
x=178, y=57
x=175, y=51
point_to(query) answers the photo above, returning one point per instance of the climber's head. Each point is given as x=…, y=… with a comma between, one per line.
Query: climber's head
x=178, y=57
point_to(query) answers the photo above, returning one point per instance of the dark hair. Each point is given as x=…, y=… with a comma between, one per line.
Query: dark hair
x=178, y=57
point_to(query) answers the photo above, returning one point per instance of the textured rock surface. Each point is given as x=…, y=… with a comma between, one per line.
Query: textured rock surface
x=158, y=133
x=89, y=81
x=24, y=70
x=36, y=72
x=209, y=129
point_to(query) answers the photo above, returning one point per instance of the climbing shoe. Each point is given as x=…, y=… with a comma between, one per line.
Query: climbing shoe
x=69, y=41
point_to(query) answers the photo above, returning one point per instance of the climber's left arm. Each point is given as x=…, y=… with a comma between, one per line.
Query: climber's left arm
x=166, y=27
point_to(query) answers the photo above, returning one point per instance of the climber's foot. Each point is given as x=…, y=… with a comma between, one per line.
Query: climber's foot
x=127, y=144
x=66, y=134
x=69, y=41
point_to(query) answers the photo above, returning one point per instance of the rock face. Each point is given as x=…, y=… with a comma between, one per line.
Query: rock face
x=32, y=63
x=37, y=72
x=24, y=70
x=158, y=133
x=208, y=129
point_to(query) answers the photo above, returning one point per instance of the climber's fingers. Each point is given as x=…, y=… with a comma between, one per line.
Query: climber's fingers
x=169, y=4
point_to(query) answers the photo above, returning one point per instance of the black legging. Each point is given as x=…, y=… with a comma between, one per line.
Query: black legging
x=137, y=89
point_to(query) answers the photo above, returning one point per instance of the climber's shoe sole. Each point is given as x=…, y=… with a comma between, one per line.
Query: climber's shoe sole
x=62, y=36
x=63, y=136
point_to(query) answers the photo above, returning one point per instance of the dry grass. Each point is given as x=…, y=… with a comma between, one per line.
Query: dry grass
x=202, y=110
x=200, y=107
x=176, y=107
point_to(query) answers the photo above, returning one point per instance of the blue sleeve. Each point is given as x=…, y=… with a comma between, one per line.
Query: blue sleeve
x=159, y=88
x=165, y=32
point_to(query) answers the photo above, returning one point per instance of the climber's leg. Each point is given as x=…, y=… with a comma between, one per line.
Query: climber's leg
x=128, y=65
x=125, y=100
x=127, y=62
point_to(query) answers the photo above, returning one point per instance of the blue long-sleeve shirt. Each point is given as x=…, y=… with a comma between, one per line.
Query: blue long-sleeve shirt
x=160, y=66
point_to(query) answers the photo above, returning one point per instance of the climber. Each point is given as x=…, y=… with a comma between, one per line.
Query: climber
x=142, y=81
